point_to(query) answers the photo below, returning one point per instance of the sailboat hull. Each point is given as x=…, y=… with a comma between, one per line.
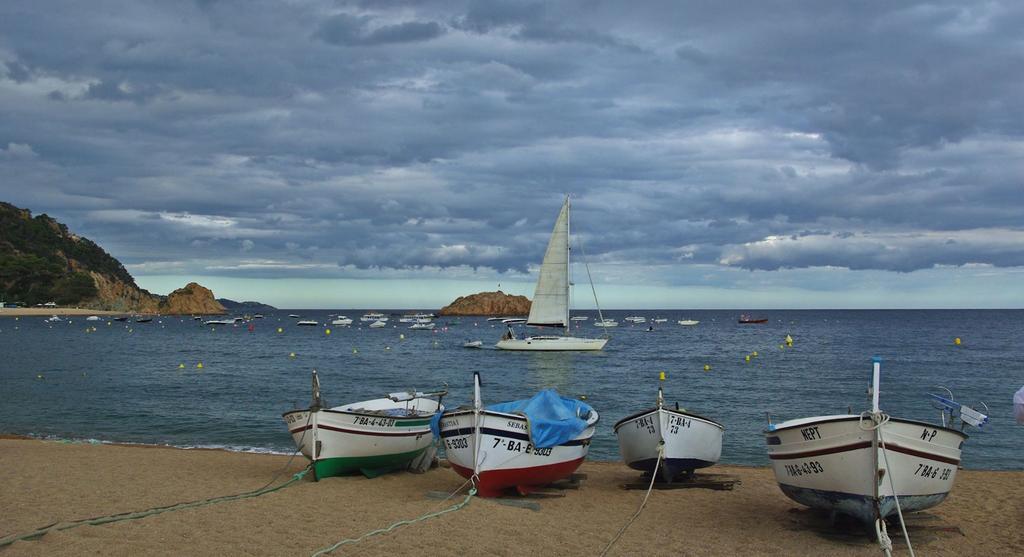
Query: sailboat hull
x=830, y=463
x=551, y=344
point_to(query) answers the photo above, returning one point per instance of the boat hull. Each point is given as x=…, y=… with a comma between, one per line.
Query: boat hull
x=508, y=461
x=551, y=344
x=691, y=441
x=341, y=442
x=830, y=463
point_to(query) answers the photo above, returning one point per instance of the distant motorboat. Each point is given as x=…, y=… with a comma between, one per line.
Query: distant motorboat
x=54, y=319
x=307, y=323
x=373, y=316
x=421, y=326
x=659, y=320
x=258, y=316
x=92, y=318
x=378, y=324
x=122, y=318
x=294, y=315
x=688, y=322
x=606, y=323
x=342, y=321
x=579, y=318
x=219, y=322
x=473, y=344
x=144, y=320
x=748, y=320
x=636, y=319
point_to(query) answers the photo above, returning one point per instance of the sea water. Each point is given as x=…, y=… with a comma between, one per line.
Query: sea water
x=130, y=382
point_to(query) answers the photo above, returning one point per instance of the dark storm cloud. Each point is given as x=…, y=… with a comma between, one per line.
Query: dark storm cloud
x=327, y=138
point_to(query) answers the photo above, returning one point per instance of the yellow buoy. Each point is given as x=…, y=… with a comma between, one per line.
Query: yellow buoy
x=387, y=348
x=199, y=365
x=956, y=341
x=661, y=376
x=748, y=358
x=327, y=332
x=181, y=366
x=789, y=340
x=754, y=354
x=40, y=376
x=401, y=336
x=291, y=355
x=583, y=397
x=280, y=330
x=355, y=350
x=707, y=367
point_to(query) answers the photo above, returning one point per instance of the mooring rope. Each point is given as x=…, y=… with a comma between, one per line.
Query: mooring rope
x=398, y=524
x=654, y=476
x=878, y=420
x=134, y=515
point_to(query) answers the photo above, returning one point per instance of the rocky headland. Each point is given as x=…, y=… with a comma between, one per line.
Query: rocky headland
x=488, y=303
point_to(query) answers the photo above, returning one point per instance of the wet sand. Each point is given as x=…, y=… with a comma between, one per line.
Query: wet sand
x=46, y=482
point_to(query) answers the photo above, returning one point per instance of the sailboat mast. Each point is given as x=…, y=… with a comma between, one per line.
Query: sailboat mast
x=568, y=266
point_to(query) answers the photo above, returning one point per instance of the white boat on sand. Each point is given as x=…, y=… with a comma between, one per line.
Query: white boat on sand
x=518, y=445
x=689, y=441
x=868, y=465
x=550, y=306
x=369, y=437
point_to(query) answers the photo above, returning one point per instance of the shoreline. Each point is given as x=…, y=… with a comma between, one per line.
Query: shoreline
x=50, y=481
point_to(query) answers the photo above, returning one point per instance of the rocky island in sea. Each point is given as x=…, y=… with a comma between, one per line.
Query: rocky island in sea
x=488, y=304
x=41, y=261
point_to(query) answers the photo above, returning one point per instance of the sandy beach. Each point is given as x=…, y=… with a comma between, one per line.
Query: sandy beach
x=46, y=482
x=46, y=312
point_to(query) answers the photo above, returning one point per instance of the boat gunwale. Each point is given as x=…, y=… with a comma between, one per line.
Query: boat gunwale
x=460, y=411
x=851, y=418
x=686, y=413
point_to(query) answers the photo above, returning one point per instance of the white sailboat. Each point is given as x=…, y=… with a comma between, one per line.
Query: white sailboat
x=550, y=306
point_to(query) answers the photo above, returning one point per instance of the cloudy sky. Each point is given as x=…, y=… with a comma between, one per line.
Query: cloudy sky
x=392, y=154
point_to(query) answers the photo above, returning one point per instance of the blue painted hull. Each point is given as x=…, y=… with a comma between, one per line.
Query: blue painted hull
x=861, y=507
x=671, y=467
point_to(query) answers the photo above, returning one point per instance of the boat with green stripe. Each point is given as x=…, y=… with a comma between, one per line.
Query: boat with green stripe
x=371, y=437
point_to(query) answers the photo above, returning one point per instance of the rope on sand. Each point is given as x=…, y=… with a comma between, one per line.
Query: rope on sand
x=654, y=475
x=398, y=524
x=134, y=515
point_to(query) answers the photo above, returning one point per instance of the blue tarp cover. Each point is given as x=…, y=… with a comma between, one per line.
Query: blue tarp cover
x=553, y=419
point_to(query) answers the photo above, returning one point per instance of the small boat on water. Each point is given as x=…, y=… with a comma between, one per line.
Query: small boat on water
x=373, y=316
x=54, y=319
x=579, y=318
x=341, y=321
x=550, y=307
x=294, y=315
x=258, y=316
x=307, y=323
x=422, y=326
x=92, y=318
x=122, y=318
x=749, y=320
x=219, y=322
x=473, y=344
x=688, y=322
x=689, y=441
x=144, y=320
x=606, y=323
x=519, y=445
x=660, y=320
x=635, y=319
x=371, y=437
x=378, y=325
x=869, y=465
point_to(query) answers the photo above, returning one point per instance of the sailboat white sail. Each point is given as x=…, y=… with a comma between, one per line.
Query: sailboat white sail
x=550, y=306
